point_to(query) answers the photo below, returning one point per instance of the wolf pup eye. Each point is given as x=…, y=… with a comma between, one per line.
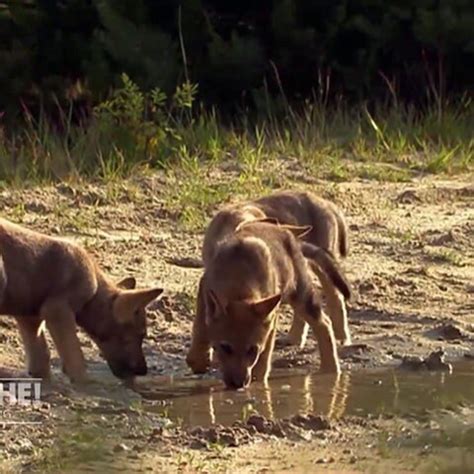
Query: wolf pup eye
x=225, y=348
x=252, y=352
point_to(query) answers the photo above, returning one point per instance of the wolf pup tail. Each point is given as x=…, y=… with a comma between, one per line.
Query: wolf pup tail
x=342, y=233
x=328, y=264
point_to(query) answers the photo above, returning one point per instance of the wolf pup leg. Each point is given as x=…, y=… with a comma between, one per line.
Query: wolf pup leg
x=310, y=310
x=298, y=333
x=263, y=367
x=200, y=352
x=327, y=345
x=61, y=323
x=36, y=348
x=336, y=288
x=336, y=308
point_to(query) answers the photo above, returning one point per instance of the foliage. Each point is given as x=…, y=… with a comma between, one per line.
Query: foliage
x=134, y=128
x=131, y=128
x=75, y=50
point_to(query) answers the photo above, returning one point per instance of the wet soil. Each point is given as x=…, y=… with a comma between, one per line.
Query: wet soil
x=411, y=266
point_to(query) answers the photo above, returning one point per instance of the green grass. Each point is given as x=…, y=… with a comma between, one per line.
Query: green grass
x=208, y=160
x=379, y=172
x=196, y=185
x=406, y=236
x=448, y=256
x=81, y=445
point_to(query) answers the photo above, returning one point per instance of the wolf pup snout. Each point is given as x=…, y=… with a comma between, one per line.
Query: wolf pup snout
x=123, y=369
x=237, y=361
x=125, y=358
x=120, y=339
x=236, y=381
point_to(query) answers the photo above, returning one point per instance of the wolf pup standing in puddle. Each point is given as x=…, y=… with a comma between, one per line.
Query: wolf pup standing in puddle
x=44, y=279
x=328, y=231
x=251, y=266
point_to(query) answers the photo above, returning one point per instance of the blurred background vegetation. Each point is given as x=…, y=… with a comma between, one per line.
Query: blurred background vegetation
x=76, y=50
x=62, y=60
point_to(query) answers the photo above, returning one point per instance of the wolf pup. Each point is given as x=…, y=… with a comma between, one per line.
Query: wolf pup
x=248, y=273
x=328, y=230
x=51, y=282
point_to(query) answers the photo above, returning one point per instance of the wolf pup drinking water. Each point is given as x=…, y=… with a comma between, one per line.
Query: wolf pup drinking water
x=50, y=282
x=251, y=266
x=328, y=230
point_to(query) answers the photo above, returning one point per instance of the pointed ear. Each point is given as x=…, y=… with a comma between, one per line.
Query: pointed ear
x=128, y=283
x=298, y=230
x=143, y=297
x=267, y=220
x=217, y=306
x=129, y=301
x=264, y=307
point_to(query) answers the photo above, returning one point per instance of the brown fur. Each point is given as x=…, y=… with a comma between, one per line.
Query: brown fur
x=3, y=278
x=248, y=273
x=44, y=279
x=328, y=231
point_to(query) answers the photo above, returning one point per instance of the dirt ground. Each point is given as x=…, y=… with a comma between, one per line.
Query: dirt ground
x=411, y=265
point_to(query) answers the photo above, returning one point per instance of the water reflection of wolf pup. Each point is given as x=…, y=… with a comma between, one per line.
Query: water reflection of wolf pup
x=282, y=397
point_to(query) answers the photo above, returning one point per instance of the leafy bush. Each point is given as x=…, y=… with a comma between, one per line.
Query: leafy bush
x=131, y=128
x=141, y=126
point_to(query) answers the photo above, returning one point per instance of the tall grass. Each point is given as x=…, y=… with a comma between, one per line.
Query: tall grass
x=133, y=130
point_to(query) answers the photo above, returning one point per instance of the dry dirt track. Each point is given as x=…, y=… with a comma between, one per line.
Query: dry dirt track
x=411, y=265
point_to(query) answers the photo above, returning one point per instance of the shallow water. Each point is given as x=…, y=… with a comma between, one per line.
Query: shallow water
x=438, y=408
x=203, y=402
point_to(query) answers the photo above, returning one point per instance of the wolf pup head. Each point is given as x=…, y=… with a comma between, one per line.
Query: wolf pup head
x=116, y=321
x=239, y=331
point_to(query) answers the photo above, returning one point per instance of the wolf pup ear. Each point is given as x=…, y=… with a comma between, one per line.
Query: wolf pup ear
x=264, y=220
x=129, y=283
x=264, y=307
x=297, y=230
x=216, y=305
x=144, y=297
x=129, y=301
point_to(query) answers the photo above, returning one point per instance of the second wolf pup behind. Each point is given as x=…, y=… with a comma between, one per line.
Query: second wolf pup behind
x=328, y=231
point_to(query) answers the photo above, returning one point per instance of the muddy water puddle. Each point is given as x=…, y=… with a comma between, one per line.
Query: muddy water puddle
x=385, y=416
x=193, y=402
